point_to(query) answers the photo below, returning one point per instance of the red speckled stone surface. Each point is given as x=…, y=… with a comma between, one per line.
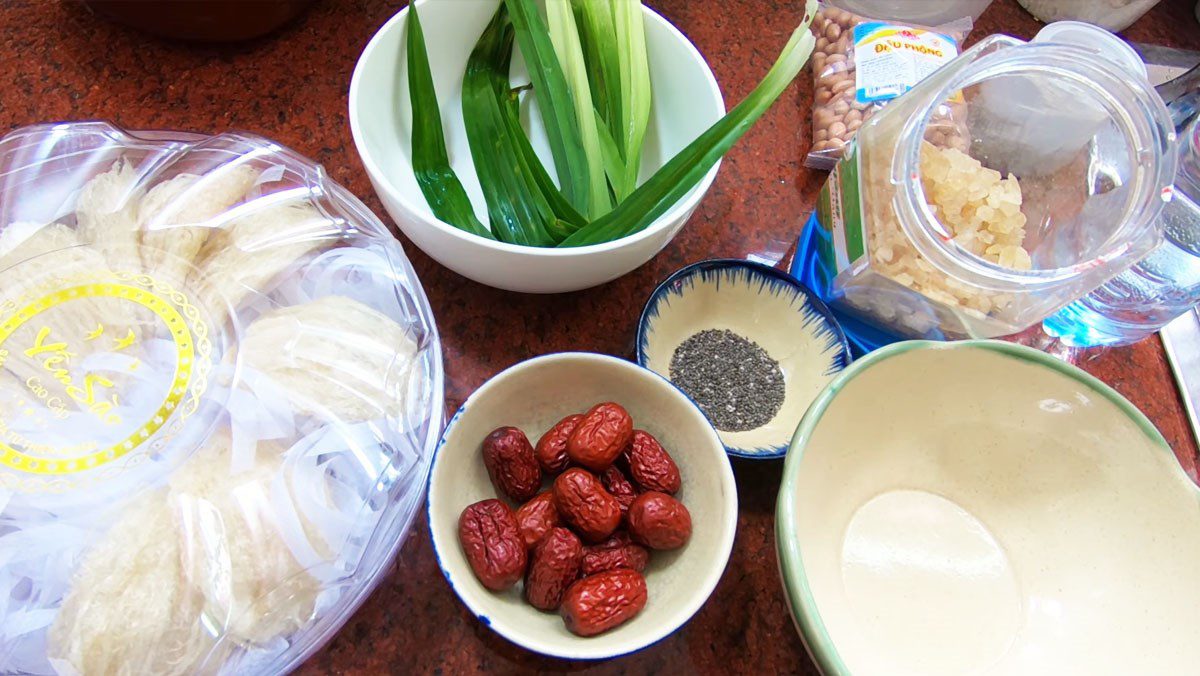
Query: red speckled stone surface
x=58, y=62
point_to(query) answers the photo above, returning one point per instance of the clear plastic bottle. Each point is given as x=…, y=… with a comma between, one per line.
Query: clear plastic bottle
x=1157, y=289
x=1090, y=144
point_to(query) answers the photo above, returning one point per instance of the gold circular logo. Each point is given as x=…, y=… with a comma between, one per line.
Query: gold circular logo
x=47, y=339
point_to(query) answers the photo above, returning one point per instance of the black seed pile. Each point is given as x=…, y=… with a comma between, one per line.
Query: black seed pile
x=734, y=381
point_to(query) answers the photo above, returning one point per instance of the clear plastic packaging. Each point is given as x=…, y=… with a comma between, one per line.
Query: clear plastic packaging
x=894, y=55
x=1007, y=184
x=220, y=388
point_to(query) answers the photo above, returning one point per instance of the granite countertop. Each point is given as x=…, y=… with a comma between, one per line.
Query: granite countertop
x=59, y=62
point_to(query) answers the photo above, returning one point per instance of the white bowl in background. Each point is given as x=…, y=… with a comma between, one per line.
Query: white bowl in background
x=982, y=507
x=535, y=394
x=685, y=102
x=931, y=13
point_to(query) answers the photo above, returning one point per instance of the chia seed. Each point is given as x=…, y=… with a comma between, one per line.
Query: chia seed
x=733, y=380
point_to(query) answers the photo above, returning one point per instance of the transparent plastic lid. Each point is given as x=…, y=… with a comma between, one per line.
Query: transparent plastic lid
x=1082, y=145
x=1007, y=184
x=220, y=387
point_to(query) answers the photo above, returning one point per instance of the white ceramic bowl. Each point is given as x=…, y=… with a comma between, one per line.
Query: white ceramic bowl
x=535, y=394
x=926, y=13
x=686, y=101
x=983, y=508
x=763, y=305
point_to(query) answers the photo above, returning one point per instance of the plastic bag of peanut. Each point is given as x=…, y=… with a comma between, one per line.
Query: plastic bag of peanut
x=845, y=98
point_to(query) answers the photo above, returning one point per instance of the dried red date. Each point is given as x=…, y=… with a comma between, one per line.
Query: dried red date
x=619, y=487
x=511, y=463
x=551, y=449
x=564, y=541
x=585, y=505
x=600, y=602
x=659, y=521
x=619, y=551
x=650, y=466
x=553, y=567
x=600, y=436
x=536, y=517
x=489, y=537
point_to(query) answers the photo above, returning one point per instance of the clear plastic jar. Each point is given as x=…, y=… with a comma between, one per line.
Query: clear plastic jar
x=1115, y=15
x=1009, y=183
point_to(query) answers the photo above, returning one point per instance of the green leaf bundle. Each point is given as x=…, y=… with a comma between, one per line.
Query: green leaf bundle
x=590, y=76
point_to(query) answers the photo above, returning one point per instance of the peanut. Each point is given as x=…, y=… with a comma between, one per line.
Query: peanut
x=837, y=112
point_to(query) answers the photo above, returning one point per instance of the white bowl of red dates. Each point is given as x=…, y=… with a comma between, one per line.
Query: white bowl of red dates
x=581, y=506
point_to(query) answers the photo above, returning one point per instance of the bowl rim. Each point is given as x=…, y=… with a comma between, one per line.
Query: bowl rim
x=801, y=603
x=383, y=184
x=702, y=591
x=774, y=276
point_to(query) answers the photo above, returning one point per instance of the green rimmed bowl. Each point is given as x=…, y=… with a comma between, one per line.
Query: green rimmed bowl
x=981, y=507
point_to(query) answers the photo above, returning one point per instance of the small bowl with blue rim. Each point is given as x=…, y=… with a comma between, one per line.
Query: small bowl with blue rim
x=751, y=345
x=535, y=394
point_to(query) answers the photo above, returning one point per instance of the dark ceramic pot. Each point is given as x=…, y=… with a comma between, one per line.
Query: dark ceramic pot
x=202, y=20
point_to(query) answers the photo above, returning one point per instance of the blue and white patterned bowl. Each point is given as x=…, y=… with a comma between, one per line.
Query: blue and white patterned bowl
x=760, y=304
x=535, y=394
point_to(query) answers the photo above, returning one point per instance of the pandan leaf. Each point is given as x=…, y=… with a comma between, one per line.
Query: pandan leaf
x=554, y=101
x=443, y=191
x=518, y=212
x=565, y=37
x=683, y=171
